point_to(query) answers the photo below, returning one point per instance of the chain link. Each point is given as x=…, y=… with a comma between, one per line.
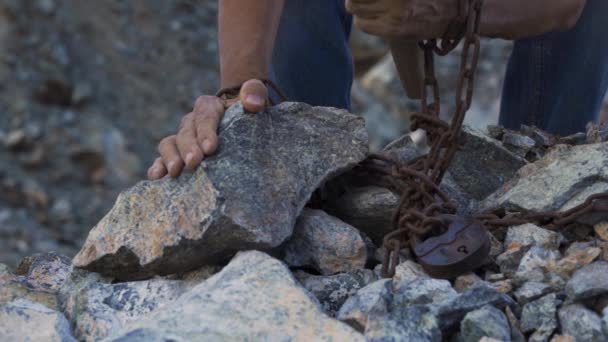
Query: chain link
x=422, y=205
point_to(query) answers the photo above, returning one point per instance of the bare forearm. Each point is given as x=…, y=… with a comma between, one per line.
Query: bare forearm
x=246, y=34
x=513, y=19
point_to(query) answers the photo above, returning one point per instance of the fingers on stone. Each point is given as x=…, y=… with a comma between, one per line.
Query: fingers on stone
x=206, y=131
x=187, y=145
x=171, y=156
x=157, y=170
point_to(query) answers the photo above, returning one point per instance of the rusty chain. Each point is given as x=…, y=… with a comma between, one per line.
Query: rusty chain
x=422, y=206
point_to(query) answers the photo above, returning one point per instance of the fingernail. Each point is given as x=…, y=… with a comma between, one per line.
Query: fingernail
x=207, y=145
x=189, y=157
x=255, y=100
x=170, y=166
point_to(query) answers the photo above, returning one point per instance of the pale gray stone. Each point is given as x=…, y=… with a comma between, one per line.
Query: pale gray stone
x=451, y=312
x=540, y=314
x=254, y=297
x=415, y=323
x=44, y=272
x=374, y=299
x=482, y=165
x=589, y=281
x=534, y=264
x=485, y=322
x=422, y=291
x=583, y=324
x=529, y=234
x=98, y=308
x=573, y=172
x=247, y=196
x=531, y=290
x=407, y=272
x=325, y=243
x=22, y=320
x=333, y=291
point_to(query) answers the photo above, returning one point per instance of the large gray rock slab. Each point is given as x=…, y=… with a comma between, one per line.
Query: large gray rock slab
x=325, y=243
x=562, y=179
x=247, y=196
x=589, y=281
x=22, y=320
x=482, y=164
x=254, y=297
x=333, y=291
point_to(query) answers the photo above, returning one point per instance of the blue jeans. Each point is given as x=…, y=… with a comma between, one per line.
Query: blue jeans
x=556, y=81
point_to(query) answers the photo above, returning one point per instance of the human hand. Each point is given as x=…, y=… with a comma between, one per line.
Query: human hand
x=405, y=19
x=197, y=133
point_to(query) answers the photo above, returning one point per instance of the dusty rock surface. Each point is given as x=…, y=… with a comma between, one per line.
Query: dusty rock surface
x=255, y=296
x=247, y=196
x=573, y=172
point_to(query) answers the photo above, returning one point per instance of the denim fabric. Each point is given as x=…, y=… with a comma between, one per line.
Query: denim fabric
x=557, y=81
x=311, y=60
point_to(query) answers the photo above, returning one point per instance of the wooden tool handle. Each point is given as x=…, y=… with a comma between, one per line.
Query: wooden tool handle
x=408, y=59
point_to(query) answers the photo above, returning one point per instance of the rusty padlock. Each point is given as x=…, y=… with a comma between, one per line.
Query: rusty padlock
x=463, y=247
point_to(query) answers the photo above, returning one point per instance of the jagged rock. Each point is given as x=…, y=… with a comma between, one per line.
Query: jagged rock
x=482, y=164
x=254, y=296
x=496, y=246
x=333, y=291
x=589, y=281
x=464, y=282
x=597, y=132
x=14, y=287
x=172, y=225
x=503, y=286
x=325, y=243
x=535, y=264
x=22, y=320
x=97, y=309
x=574, y=172
x=528, y=235
x=44, y=272
x=369, y=208
x=530, y=291
x=415, y=323
x=374, y=299
x=575, y=260
x=485, y=322
x=509, y=260
x=407, y=272
x=540, y=316
x=516, y=334
x=517, y=143
x=451, y=312
x=422, y=291
x=576, y=320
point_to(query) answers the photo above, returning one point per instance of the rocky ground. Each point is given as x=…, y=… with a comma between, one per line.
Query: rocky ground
x=90, y=87
x=243, y=253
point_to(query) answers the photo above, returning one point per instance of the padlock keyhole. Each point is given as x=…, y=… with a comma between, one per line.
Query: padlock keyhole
x=463, y=249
